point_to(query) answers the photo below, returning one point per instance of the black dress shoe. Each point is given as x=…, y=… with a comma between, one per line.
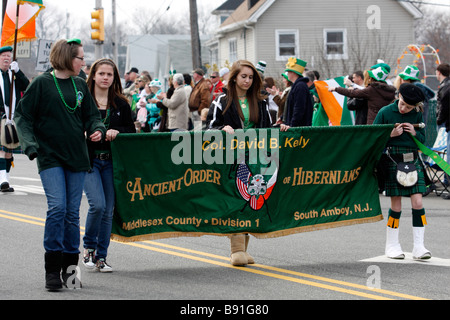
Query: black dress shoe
x=4, y=187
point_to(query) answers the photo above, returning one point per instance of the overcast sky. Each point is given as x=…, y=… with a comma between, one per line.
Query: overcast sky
x=126, y=8
x=81, y=9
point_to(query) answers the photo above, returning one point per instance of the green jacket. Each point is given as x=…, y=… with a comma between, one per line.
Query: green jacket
x=48, y=128
x=390, y=115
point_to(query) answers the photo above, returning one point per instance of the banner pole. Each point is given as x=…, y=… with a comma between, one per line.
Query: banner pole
x=13, y=59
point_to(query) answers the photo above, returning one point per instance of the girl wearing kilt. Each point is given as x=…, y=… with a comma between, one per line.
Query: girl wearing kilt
x=404, y=112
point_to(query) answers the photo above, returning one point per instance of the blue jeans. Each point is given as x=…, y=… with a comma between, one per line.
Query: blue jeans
x=63, y=189
x=99, y=189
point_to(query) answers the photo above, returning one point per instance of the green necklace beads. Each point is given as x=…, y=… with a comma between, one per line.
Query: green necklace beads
x=69, y=108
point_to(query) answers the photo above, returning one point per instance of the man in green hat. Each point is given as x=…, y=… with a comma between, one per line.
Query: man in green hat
x=7, y=66
x=299, y=108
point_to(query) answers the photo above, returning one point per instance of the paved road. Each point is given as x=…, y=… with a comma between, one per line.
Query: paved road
x=344, y=263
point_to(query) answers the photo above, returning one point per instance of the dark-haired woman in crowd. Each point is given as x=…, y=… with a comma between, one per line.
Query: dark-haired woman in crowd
x=105, y=86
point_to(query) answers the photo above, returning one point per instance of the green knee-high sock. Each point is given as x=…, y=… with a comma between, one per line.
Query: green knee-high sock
x=2, y=164
x=9, y=164
x=418, y=217
x=394, y=219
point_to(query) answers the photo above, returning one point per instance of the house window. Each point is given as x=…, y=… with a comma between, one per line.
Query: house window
x=335, y=43
x=286, y=44
x=222, y=18
x=214, y=55
x=232, y=45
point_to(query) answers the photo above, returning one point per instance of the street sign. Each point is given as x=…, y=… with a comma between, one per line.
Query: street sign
x=43, y=57
x=23, y=50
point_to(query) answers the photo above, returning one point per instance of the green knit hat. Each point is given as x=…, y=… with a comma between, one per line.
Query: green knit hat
x=381, y=64
x=410, y=73
x=379, y=74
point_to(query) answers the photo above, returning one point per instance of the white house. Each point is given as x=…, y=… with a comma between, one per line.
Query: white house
x=334, y=37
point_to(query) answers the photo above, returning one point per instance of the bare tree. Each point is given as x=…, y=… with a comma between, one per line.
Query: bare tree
x=148, y=21
x=434, y=29
x=195, y=37
x=51, y=24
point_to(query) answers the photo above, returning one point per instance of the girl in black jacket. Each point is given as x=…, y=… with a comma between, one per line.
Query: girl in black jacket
x=104, y=84
x=241, y=106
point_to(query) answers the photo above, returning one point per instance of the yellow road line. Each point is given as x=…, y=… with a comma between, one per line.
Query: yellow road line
x=21, y=220
x=260, y=272
x=251, y=269
x=295, y=273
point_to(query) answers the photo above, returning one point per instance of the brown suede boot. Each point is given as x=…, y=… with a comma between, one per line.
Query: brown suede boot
x=238, y=256
x=249, y=257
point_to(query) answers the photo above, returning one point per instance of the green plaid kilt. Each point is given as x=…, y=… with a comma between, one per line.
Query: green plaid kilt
x=392, y=187
x=17, y=150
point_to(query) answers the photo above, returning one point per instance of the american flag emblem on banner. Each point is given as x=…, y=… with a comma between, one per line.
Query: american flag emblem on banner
x=256, y=200
x=243, y=174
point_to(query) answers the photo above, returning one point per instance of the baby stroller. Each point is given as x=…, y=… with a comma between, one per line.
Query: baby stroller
x=434, y=175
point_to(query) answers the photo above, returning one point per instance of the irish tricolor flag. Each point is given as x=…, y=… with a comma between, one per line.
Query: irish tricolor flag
x=334, y=104
x=26, y=24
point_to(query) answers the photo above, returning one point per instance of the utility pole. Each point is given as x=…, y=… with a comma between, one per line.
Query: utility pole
x=195, y=37
x=114, y=33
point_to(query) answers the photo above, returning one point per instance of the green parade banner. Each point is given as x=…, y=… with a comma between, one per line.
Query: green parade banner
x=433, y=155
x=263, y=182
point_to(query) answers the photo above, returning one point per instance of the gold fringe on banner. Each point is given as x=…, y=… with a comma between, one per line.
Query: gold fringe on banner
x=267, y=235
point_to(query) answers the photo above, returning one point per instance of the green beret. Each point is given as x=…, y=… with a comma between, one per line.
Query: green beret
x=6, y=49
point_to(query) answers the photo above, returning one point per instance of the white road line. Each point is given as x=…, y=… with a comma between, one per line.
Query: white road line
x=20, y=190
x=25, y=178
x=434, y=261
x=24, y=190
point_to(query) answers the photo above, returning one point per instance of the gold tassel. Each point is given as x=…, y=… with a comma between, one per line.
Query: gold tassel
x=424, y=220
x=393, y=223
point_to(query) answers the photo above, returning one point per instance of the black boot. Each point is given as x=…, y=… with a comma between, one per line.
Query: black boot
x=53, y=262
x=68, y=260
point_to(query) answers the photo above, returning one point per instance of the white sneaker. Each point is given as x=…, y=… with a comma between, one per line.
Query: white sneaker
x=102, y=266
x=88, y=258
